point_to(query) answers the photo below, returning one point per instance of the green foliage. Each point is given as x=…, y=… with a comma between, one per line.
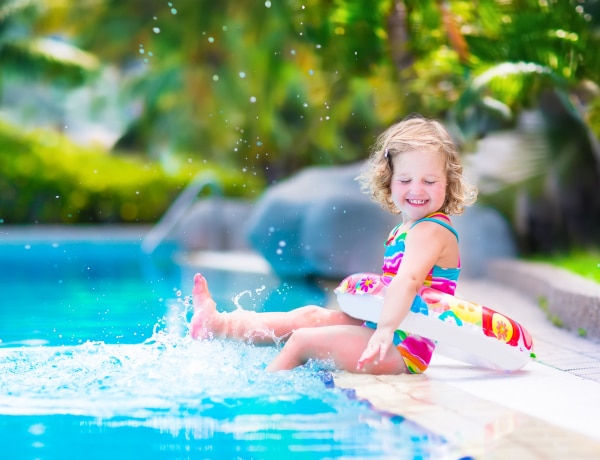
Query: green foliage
x=270, y=87
x=24, y=53
x=47, y=179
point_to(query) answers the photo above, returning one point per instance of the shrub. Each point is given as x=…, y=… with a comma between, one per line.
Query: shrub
x=46, y=178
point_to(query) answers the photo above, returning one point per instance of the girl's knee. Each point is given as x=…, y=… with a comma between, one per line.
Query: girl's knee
x=305, y=343
x=299, y=338
x=296, y=351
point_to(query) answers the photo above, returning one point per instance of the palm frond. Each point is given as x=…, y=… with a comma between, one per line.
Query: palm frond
x=60, y=52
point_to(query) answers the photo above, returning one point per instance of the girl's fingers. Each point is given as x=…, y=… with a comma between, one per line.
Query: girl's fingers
x=377, y=348
x=383, y=349
x=367, y=355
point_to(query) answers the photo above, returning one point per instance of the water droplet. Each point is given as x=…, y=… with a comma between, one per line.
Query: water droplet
x=252, y=99
x=215, y=78
x=242, y=74
x=268, y=4
x=156, y=30
x=282, y=244
x=173, y=11
x=211, y=40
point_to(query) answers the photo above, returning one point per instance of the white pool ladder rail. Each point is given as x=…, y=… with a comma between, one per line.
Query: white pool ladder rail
x=178, y=208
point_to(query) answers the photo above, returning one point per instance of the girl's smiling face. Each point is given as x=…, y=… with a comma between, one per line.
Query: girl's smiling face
x=418, y=183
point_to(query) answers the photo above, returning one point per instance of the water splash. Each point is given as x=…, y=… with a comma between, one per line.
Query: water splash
x=256, y=298
x=176, y=393
x=236, y=299
x=166, y=374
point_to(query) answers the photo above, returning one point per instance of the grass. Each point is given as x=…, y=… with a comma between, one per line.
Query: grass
x=583, y=263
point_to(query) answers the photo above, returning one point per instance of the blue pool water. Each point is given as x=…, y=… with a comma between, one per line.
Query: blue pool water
x=95, y=362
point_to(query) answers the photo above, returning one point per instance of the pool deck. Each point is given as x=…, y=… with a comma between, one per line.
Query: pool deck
x=547, y=410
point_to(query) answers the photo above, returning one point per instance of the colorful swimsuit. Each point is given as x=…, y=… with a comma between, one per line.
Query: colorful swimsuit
x=416, y=350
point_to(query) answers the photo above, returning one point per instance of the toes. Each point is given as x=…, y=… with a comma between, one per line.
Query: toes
x=200, y=285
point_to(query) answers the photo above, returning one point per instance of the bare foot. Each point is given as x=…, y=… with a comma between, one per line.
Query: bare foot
x=207, y=321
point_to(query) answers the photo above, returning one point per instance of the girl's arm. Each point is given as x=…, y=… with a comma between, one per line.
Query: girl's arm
x=424, y=246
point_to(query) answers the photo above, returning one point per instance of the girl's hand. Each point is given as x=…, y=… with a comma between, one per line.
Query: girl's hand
x=377, y=348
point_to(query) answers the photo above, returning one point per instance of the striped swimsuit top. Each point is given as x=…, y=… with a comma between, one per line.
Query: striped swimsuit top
x=442, y=279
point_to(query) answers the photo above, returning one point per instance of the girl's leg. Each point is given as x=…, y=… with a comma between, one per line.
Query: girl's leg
x=343, y=344
x=258, y=327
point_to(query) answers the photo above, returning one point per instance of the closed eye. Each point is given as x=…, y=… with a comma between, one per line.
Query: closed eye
x=430, y=182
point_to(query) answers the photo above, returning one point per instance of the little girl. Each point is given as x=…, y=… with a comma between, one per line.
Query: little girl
x=414, y=170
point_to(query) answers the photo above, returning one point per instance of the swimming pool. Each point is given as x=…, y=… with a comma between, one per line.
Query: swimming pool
x=95, y=362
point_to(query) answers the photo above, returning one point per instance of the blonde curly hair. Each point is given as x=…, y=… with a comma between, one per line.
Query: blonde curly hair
x=415, y=133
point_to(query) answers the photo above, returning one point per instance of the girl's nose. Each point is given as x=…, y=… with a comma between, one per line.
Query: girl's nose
x=416, y=188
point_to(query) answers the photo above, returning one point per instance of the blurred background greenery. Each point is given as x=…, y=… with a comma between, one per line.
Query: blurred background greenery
x=109, y=108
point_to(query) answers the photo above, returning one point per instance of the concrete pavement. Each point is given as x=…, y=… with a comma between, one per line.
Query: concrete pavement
x=549, y=409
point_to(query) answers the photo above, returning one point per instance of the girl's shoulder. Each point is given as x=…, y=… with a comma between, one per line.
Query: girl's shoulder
x=438, y=218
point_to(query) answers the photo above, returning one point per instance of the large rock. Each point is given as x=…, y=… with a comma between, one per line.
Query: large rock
x=319, y=223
